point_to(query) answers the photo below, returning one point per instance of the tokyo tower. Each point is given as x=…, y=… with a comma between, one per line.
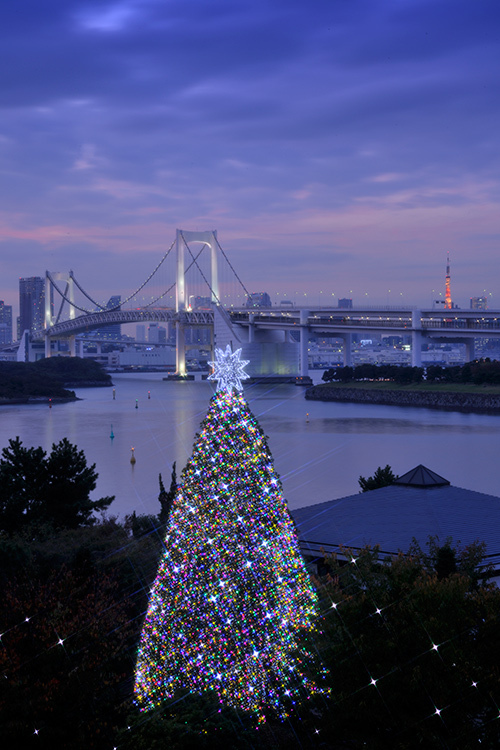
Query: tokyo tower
x=447, y=293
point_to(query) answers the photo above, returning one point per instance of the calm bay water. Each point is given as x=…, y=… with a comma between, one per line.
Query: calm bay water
x=320, y=449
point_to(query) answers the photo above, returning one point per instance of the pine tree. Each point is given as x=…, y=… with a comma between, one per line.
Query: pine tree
x=166, y=499
x=232, y=597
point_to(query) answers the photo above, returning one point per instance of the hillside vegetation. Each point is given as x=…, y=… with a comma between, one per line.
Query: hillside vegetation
x=49, y=378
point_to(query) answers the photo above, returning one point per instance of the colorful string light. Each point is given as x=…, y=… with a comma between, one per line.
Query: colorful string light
x=232, y=593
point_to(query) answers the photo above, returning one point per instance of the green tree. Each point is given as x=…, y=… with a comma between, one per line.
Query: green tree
x=23, y=480
x=166, y=499
x=406, y=375
x=382, y=478
x=67, y=500
x=54, y=489
x=414, y=658
x=345, y=374
x=328, y=375
x=434, y=373
x=366, y=371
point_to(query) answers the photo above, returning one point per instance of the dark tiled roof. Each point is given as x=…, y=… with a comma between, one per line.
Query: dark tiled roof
x=391, y=516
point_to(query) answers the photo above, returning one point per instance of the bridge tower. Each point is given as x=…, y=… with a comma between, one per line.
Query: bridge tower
x=182, y=240
x=70, y=296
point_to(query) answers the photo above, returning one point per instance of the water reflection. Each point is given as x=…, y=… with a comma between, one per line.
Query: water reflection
x=375, y=426
x=320, y=449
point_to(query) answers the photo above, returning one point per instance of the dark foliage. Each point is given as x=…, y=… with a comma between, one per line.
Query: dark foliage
x=54, y=489
x=381, y=478
x=142, y=524
x=87, y=587
x=73, y=370
x=166, y=499
x=413, y=652
x=63, y=667
x=188, y=722
x=48, y=378
x=479, y=372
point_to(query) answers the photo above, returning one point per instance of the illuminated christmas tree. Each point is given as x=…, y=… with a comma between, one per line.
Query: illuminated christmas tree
x=232, y=596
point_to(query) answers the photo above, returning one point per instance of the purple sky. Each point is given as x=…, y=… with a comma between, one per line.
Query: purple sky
x=336, y=145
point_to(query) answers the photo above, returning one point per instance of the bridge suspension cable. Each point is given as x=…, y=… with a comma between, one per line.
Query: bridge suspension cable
x=65, y=298
x=232, y=268
x=85, y=294
x=122, y=302
x=153, y=302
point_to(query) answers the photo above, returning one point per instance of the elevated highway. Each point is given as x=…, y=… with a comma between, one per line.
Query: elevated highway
x=440, y=326
x=452, y=326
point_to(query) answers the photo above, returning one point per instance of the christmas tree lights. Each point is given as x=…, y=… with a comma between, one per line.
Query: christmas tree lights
x=232, y=593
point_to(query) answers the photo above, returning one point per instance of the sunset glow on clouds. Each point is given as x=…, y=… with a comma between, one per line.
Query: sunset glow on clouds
x=334, y=145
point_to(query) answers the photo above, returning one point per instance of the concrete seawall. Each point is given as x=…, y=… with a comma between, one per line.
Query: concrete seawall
x=430, y=400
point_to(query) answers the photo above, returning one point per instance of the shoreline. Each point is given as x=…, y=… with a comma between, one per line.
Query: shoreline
x=30, y=400
x=446, y=401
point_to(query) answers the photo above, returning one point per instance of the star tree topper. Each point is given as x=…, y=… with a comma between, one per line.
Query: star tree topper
x=228, y=370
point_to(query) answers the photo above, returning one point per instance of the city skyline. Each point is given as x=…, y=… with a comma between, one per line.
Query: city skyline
x=346, y=146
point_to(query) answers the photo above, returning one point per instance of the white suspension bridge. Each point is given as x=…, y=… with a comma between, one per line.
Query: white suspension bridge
x=274, y=340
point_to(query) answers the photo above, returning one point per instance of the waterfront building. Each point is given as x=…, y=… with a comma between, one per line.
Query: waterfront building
x=157, y=357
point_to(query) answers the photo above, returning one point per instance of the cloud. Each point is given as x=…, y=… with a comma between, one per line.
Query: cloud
x=113, y=18
x=346, y=138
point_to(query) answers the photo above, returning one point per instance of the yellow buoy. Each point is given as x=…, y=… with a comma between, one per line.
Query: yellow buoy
x=132, y=457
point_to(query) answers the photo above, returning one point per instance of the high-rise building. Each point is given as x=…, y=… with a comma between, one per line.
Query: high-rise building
x=478, y=303
x=31, y=304
x=5, y=323
x=153, y=333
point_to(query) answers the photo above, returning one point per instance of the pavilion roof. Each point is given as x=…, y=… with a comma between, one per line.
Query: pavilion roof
x=418, y=505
